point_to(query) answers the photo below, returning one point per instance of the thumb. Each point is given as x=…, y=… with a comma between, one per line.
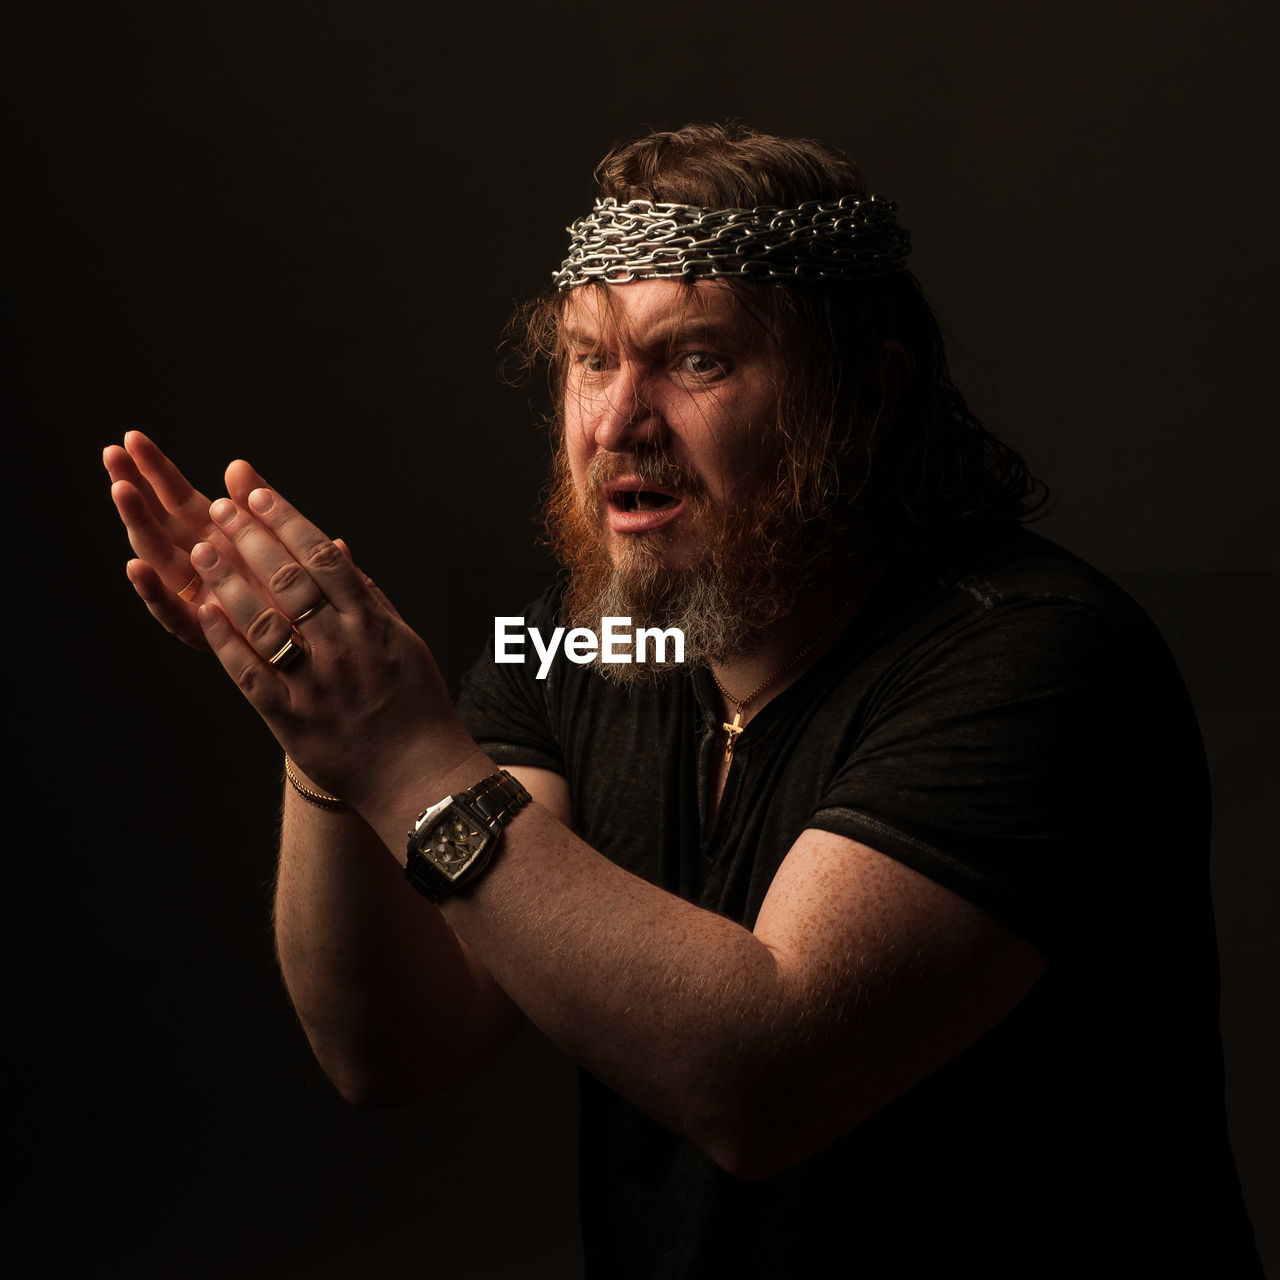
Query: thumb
x=374, y=589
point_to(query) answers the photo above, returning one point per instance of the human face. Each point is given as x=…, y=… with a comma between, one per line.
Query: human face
x=670, y=404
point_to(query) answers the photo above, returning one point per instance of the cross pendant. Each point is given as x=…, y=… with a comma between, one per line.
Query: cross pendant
x=732, y=731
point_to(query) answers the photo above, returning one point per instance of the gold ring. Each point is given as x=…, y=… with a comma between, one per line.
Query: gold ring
x=188, y=593
x=306, y=613
x=288, y=653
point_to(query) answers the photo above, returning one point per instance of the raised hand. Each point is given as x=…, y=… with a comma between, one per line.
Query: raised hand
x=165, y=516
x=349, y=690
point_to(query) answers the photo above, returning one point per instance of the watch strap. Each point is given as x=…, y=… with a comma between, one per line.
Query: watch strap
x=497, y=798
x=492, y=803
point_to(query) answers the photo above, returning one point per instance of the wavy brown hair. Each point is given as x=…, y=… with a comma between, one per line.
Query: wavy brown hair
x=870, y=419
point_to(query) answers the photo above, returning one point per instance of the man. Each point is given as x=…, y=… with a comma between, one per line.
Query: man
x=879, y=926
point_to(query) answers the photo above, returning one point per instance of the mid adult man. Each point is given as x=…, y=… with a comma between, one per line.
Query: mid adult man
x=879, y=926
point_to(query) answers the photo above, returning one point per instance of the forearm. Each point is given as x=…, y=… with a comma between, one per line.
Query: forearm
x=675, y=1008
x=860, y=978
x=682, y=1011
x=391, y=1001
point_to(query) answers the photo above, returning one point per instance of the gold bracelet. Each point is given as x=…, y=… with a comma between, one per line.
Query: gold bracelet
x=320, y=799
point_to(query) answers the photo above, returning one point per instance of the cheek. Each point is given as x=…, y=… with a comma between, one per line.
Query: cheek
x=581, y=409
x=578, y=450
x=723, y=441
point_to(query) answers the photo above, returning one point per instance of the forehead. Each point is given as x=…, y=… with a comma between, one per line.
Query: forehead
x=648, y=313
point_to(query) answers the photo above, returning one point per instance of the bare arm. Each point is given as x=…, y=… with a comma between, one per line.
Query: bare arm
x=861, y=976
x=394, y=1005
x=357, y=948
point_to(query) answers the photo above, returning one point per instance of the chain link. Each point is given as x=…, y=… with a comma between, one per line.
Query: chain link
x=846, y=239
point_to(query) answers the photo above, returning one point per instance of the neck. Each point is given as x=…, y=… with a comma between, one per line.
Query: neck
x=799, y=639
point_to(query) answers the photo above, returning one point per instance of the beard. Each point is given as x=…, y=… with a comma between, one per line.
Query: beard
x=756, y=557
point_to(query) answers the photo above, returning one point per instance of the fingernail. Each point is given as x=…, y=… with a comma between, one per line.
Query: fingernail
x=207, y=615
x=223, y=511
x=203, y=556
x=261, y=500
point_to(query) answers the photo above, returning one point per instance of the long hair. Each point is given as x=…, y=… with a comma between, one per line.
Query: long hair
x=869, y=416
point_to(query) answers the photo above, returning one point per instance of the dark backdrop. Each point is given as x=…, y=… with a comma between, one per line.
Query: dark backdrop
x=294, y=232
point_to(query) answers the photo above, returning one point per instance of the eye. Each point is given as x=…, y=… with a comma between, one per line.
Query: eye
x=592, y=361
x=702, y=365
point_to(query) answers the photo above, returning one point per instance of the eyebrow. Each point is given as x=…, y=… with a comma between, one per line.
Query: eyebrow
x=667, y=335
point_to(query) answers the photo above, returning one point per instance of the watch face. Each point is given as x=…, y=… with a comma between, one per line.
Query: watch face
x=454, y=843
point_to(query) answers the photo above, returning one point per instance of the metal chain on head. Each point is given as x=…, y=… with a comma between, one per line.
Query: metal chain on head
x=847, y=239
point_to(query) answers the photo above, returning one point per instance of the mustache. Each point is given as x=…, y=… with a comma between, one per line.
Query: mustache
x=655, y=467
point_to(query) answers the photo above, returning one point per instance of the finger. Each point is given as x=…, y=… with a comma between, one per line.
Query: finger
x=244, y=601
x=241, y=481
x=149, y=538
x=175, y=617
x=174, y=491
x=339, y=580
x=376, y=592
x=122, y=469
x=374, y=589
x=255, y=678
x=148, y=517
x=292, y=589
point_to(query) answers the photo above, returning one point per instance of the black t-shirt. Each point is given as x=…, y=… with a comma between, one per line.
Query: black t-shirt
x=1002, y=719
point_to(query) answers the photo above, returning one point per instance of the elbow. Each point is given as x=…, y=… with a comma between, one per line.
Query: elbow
x=753, y=1155
x=749, y=1156
x=749, y=1140
x=367, y=1092
x=745, y=1165
x=367, y=1081
x=767, y=1135
x=389, y=1077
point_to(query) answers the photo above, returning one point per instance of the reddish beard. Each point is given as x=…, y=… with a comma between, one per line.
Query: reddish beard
x=756, y=559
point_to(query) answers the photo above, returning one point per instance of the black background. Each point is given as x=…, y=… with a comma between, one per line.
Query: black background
x=294, y=232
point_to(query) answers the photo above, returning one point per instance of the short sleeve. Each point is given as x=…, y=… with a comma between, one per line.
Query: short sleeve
x=505, y=708
x=1016, y=759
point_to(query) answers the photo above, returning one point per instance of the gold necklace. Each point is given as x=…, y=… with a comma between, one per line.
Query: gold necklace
x=735, y=730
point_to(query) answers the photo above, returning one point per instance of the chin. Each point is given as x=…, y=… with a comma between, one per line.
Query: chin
x=700, y=600
x=646, y=552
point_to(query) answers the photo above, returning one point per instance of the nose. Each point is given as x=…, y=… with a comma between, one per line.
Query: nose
x=627, y=416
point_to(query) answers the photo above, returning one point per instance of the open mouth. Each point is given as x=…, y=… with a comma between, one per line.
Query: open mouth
x=636, y=505
x=643, y=500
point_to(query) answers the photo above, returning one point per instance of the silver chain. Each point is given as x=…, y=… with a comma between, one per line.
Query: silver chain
x=847, y=239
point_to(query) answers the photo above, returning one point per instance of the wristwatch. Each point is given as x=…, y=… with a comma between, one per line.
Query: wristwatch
x=452, y=842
